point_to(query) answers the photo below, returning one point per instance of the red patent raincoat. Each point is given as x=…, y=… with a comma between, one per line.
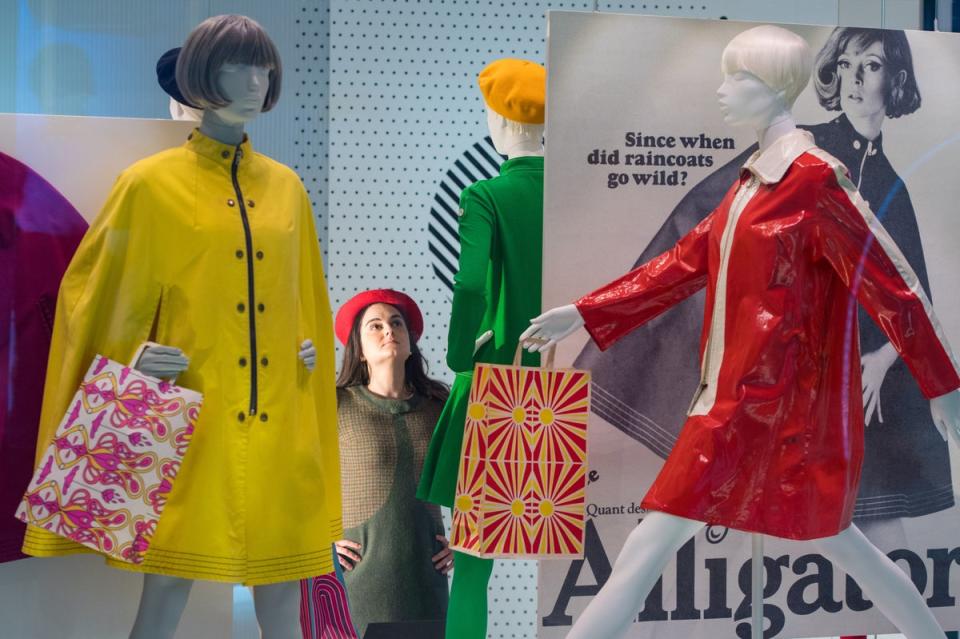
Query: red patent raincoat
x=773, y=441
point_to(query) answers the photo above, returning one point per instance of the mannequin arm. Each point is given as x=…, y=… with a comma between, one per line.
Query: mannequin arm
x=469, y=285
x=868, y=262
x=162, y=361
x=612, y=311
x=307, y=353
x=548, y=328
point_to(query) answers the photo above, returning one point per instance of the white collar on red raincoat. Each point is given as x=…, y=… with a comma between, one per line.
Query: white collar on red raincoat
x=771, y=165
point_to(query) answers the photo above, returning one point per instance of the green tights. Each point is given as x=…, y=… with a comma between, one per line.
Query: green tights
x=467, y=611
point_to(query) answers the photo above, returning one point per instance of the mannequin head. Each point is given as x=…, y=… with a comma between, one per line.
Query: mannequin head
x=514, y=92
x=512, y=138
x=765, y=68
x=230, y=67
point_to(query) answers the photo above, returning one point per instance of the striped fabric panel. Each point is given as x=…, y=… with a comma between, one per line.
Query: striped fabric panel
x=324, y=610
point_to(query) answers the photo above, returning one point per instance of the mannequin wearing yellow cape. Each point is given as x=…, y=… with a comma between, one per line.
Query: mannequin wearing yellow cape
x=257, y=499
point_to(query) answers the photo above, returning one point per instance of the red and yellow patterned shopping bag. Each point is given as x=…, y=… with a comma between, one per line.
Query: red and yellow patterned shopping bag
x=522, y=478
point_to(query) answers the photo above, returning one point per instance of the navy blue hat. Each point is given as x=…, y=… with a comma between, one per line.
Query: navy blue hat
x=167, y=76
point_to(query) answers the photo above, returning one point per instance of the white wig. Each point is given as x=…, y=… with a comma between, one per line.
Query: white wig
x=779, y=57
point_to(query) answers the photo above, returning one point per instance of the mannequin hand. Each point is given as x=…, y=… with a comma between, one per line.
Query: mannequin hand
x=549, y=328
x=308, y=354
x=162, y=362
x=945, y=410
x=874, y=367
x=443, y=560
x=348, y=554
x=483, y=339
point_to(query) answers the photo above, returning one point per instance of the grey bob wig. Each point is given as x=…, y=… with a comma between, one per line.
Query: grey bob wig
x=220, y=40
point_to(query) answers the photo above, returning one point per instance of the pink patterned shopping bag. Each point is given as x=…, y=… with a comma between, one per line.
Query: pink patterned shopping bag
x=103, y=480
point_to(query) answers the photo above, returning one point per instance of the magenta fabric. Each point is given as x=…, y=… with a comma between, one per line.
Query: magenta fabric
x=324, y=609
x=39, y=231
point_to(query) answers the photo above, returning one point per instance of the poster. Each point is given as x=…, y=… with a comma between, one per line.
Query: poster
x=637, y=154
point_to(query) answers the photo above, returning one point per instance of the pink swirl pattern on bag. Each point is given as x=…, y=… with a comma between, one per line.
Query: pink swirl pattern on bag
x=104, y=479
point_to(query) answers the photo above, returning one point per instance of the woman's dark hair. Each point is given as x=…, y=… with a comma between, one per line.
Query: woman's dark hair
x=902, y=96
x=353, y=371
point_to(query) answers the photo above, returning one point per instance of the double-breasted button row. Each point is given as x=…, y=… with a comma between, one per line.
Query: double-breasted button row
x=264, y=361
x=241, y=417
x=241, y=307
x=259, y=254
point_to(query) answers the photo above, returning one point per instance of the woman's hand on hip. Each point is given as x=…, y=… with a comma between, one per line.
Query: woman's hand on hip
x=348, y=554
x=443, y=560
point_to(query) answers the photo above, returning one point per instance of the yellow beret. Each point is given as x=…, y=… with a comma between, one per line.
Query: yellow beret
x=516, y=89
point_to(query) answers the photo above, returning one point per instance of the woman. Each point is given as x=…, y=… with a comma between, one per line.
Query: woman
x=867, y=74
x=394, y=554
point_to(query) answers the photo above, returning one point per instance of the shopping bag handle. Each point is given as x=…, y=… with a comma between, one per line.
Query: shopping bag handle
x=139, y=353
x=550, y=354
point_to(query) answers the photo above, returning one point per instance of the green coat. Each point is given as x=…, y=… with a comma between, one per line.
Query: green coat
x=497, y=288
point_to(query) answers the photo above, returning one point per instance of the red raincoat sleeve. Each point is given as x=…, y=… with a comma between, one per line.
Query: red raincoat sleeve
x=613, y=310
x=862, y=253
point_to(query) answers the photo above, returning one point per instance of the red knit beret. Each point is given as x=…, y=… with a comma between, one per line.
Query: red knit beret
x=349, y=311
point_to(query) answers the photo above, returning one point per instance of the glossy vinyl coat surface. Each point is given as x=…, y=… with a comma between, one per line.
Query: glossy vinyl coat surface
x=773, y=441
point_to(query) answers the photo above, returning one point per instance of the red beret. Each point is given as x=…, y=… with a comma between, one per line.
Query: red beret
x=348, y=312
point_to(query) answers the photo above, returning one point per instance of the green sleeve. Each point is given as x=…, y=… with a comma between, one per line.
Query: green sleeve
x=477, y=226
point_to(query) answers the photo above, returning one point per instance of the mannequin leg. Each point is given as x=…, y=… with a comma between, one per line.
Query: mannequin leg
x=647, y=551
x=885, y=584
x=467, y=610
x=278, y=610
x=161, y=604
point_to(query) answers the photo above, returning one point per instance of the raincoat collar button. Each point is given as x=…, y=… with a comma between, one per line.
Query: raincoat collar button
x=217, y=151
x=259, y=255
x=263, y=417
x=230, y=202
x=239, y=254
x=241, y=416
